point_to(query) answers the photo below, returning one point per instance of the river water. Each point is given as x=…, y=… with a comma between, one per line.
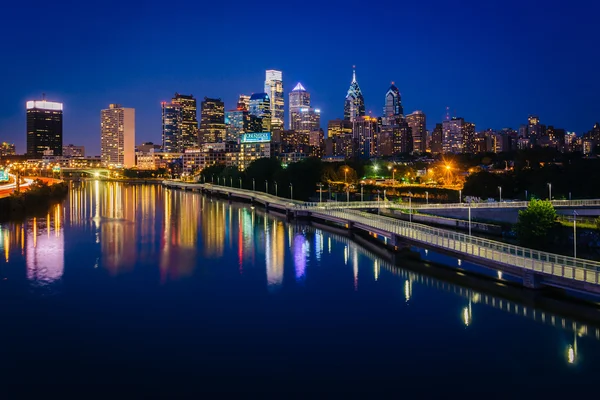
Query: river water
x=138, y=285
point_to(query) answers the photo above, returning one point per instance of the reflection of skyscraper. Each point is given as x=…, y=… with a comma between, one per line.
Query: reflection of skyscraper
x=275, y=253
x=212, y=221
x=45, y=251
x=301, y=254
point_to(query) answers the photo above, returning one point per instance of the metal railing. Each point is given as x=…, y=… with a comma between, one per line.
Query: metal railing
x=516, y=256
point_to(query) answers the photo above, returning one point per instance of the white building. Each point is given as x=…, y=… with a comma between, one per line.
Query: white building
x=117, y=130
x=274, y=88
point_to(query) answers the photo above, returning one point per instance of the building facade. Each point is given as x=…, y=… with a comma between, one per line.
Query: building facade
x=117, y=136
x=7, y=149
x=393, y=103
x=299, y=99
x=252, y=147
x=274, y=88
x=44, y=128
x=188, y=123
x=73, y=151
x=171, y=127
x=259, y=107
x=354, y=105
x=212, y=123
x=418, y=125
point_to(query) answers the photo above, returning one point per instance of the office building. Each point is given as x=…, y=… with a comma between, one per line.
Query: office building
x=259, y=107
x=44, y=127
x=365, y=131
x=73, y=151
x=437, y=139
x=212, y=123
x=418, y=125
x=354, y=105
x=393, y=103
x=274, y=88
x=171, y=127
x=117, y=136
x=299, y=99
x=7, y=149
x=188, y=123
x=237, y=122
x=243, y=102
x=252, y=147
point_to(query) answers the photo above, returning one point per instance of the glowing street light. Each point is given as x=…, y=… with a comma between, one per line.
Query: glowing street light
x=549, y=191
x=500, y=190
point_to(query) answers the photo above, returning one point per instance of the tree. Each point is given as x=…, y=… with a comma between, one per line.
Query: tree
x=535, y=223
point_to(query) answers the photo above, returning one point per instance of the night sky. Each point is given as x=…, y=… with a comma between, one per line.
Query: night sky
x=492, y=62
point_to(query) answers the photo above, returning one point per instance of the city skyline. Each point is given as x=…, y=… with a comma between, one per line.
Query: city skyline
x=498, y=84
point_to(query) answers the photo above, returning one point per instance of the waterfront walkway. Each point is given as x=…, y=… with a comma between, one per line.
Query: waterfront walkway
x=536, y=268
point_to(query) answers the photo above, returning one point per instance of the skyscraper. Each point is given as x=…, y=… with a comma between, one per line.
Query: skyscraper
x=212, y=123
x=393, y=103
x=243, y=102
x=458, y=136
x=274, y=88
x=117, y=136
x=236, y=123
x=44, y=127
x=354, y=106
x=171, y=127
x=189, y=122
x=260, y=107
x=417, y=122
x=299, y=98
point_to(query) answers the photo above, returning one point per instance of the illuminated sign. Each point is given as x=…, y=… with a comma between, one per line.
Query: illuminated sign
x=44, y=105
x=258, y=137
x=3, y=176
x=56, y=169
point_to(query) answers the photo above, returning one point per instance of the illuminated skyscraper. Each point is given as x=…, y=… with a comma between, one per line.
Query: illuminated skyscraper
x=274, y=88
x=393, y=103
x=171, y=127
x=117, y=139
x=354, y=106
x=299, y=98
x=236, y=123
x=212, y=124
x=417, y=122
x=458, y=136
x=243, y=102
x=189, y=123
x=260, y=107
x=44, y=128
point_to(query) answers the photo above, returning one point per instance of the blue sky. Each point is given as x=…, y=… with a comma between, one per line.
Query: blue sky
x=491, y=62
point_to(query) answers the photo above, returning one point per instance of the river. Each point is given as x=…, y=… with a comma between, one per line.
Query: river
x=139, y=285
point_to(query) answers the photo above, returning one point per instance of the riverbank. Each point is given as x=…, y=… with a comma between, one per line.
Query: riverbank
x=36, y=200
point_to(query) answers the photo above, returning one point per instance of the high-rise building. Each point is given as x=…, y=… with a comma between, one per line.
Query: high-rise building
x=393, y=103
x=243, y=102
x=171, y=127
x=299, y=98
x=7, y=149
x=44, y=128
x=212, y=123
x=274, y=88
x=458, y=136
x=535, y=130
x=418, y=124
x=73, y=151
x=189, y=123
x=117, y=136
x=354, y=105
x=365, y=131
x=237, y=122
x=437, y=139
x=401, y=133
x=259, y=106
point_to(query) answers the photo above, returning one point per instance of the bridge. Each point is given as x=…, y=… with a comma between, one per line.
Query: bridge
x=91, y=172
x=536, y=268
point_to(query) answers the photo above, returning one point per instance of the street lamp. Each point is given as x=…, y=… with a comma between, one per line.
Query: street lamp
x=550, y=191
x=377, y=201
x=574, y=234
x=275, y=188
x=231, y=181
x=361, y=192
x=345, y=174
x=347, y=193
x=320, y=185
x=266, y=186
x=291, y=192
x=427, y=197
x=500, y=190
x=212, y=180
x=393, y=176
x=410, y=206
x=253, y=185
x=459, y=195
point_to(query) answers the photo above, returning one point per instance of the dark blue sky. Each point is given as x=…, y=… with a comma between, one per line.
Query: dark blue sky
x=492, y=62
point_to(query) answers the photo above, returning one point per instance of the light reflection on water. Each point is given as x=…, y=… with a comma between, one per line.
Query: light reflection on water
x=130, y=228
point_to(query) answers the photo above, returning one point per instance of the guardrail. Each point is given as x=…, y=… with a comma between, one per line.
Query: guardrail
x=414, y=205
x=516, y=256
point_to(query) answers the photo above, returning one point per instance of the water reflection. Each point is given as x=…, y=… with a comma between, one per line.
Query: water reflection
x=128, y=229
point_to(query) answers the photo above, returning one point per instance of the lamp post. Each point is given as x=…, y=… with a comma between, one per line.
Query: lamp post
x=347, y=194
x=291, y=192
x=500, y=190
x=218, y=180
x=427, y=197
x=410, y=207
x=526, y=196
x=253, y=185
x=266, y=186
x=231, y=181
x=394, y=176
x=550, y=191
x=320, y=185
x=345, y=174
x=378, y=201
x=469, y=219
x=361, y=192
x=275, y=188
x=574, y=234
x=240, y=183
x=460, y=195
x=329, y=189
x=212, y=179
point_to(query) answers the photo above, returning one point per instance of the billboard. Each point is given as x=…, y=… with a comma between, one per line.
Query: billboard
x=256, y=137
x=3, y=176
